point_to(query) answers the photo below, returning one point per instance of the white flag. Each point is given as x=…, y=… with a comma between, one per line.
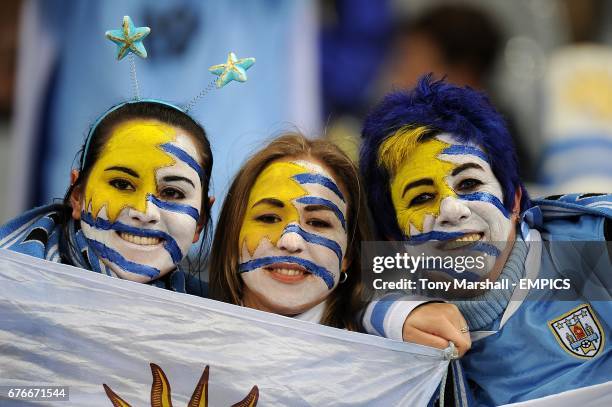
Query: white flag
x=598, y=395
x=64, y=326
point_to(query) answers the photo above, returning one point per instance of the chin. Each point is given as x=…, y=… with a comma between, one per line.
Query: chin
x=289, y=305
x=126, y=275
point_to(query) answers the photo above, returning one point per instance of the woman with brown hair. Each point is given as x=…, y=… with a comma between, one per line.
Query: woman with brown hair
x=289, y=234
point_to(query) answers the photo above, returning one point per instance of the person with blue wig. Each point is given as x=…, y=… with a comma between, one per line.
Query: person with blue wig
x=441, y=171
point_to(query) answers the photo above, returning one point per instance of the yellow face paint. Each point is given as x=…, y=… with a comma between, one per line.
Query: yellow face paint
x=134, y=145
x=421, y=164
x=285, y=190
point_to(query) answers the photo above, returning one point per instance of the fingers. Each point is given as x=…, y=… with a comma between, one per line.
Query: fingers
x=447, y=330
x=423, y=338
x=434, y=324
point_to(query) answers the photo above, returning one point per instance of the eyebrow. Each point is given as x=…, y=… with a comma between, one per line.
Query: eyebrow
x=464, y=167
x=314, y=201
x=171, y=178
x=124, y=169
x=314, y=208
x=269, y=201
x=417, y=183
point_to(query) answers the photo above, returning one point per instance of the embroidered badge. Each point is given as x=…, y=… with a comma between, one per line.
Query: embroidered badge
x=579, y=332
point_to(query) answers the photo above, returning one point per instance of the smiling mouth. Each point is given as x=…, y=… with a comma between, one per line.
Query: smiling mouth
x=140, y=240
x=463, y=241
x=287, y=272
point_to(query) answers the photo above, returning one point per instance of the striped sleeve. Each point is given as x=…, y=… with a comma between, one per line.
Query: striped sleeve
x=386, y=315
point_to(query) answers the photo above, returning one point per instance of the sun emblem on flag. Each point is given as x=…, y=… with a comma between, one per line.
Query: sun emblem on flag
x=161, y=397
x=579, y=332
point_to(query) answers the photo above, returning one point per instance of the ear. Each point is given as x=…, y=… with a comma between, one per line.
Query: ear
x=200, y=227
x=75, y=196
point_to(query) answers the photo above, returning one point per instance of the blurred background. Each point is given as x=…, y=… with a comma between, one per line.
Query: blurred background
x=321, y=64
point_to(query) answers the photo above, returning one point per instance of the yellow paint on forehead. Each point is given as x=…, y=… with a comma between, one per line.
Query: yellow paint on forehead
x=275, y=182
x=422, y=163
x=134, y=145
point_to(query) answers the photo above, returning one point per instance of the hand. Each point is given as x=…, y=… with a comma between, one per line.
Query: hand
x=434, y=324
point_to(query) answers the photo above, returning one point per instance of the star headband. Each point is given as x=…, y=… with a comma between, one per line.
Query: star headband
x=129, y=43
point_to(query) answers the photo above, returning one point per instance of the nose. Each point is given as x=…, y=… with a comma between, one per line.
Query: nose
x=453, y=212
x=291, y=241
x=150, y=217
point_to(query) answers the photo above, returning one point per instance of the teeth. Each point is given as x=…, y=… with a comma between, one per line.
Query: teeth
x=469, y=238
x=288, y=272
x=463, y=240
x=140, y=240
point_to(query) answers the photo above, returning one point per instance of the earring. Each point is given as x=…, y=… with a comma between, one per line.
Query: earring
x=343, y=277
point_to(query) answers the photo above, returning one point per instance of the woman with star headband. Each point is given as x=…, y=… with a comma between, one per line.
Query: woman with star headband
x=137, y=203
x=139, y=198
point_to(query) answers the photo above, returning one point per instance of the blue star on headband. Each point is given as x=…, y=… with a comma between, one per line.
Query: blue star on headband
x=233, y=70
x=129, y=39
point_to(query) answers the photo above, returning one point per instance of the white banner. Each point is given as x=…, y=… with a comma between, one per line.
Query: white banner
x=63, y=326
x=599, y=395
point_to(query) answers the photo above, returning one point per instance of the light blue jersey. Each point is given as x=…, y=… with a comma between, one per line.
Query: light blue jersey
x=545, y=341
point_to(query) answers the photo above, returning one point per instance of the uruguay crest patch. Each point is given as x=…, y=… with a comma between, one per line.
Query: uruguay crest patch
x=579, y=332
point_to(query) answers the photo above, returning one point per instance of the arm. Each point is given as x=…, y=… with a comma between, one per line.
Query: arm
x=400, y=317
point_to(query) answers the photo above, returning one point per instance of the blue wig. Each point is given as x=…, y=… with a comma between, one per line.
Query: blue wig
x=444, y=108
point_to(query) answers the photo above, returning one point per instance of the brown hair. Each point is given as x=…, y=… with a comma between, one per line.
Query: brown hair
x=345, y=302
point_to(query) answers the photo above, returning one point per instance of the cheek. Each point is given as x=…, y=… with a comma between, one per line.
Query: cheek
x=499, y=225
x=181, y=227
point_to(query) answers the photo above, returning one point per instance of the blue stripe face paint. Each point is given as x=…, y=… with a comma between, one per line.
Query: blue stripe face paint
x=316, y=239
x=183, y=156
x=115, y=257
x=169, y=243
x=486, y=248
x=487, y=197
x=459, y=149
x=433, y=235
x=311, y=267
x=309, y=178
x=313, y=200
x=174, y=207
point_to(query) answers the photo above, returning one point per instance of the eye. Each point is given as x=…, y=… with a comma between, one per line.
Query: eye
x=469, y=184
x=421, y=199
x=171, y=193
x=268, y=218
x=122, y=184
x=318, y=223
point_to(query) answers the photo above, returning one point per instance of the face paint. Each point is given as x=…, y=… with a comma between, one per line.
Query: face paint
x=446, y=191
x=142, y=199
x=293, y=237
